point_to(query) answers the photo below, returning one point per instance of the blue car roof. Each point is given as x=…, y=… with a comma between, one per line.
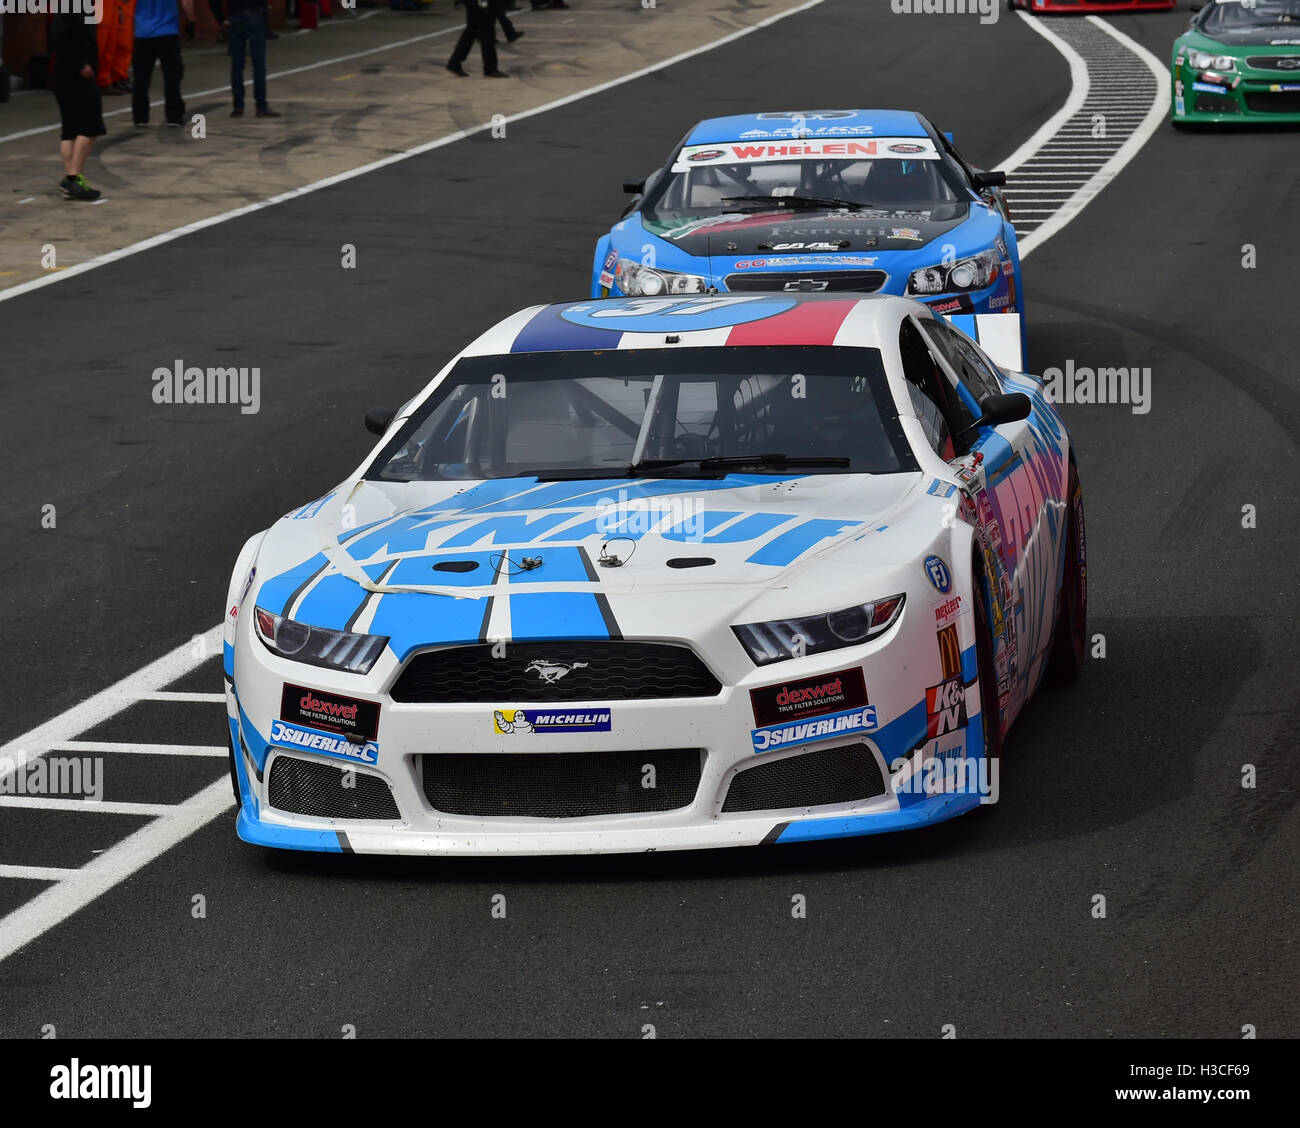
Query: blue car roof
x=882, y=123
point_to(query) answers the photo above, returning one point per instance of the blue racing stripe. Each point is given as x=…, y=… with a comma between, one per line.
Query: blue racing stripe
x=415, y=619
x=549, y=332
x=333, y=600
x=557, y=615
x=276, y=593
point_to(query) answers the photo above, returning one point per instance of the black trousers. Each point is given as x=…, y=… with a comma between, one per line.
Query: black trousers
x=499, y=13
x=479, y=24
x=165, y=49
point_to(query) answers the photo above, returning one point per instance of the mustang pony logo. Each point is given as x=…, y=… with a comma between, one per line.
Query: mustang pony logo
x=551, y=672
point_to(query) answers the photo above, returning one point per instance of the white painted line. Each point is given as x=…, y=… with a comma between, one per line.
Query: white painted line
x=100, y=806
x=36, y=873
x=57, y=731
x=394, y=158
x=1125, y=153
x=178, y=695
x=1079, y=87
x=56, y=904
x=213, y=750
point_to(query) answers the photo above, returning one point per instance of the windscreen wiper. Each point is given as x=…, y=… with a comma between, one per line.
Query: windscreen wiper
x=734, y=461
x=800, y=201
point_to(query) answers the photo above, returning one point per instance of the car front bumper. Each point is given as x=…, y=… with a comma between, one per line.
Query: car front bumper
x=720, y=727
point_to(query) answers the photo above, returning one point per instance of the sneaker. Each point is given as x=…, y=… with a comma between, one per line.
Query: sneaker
x=512, y=38
x=495, y=74
x=457, y=69
x=266, y=111
x=140, y=124
x=238, y=111
x=173, y=125
x=76, y=188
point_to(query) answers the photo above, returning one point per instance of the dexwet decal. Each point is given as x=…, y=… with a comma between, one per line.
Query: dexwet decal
x=808, y=697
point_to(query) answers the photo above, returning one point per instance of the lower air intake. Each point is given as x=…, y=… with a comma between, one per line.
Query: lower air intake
x=306, y=787
x=561, y=785
x=847, y=774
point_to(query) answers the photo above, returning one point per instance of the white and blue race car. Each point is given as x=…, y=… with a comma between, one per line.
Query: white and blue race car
x=664, y=573
x=819, y=201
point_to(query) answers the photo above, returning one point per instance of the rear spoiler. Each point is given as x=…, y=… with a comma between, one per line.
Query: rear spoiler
x=998, y=334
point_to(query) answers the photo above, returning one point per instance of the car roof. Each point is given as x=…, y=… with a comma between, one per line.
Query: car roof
x=855, y=320
x=815, y=123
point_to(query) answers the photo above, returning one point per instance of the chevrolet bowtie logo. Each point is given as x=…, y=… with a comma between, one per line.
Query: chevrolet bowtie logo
x=806, y=286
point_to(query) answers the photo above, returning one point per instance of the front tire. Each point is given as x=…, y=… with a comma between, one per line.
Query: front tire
x=987, y=675
x=1070, y=636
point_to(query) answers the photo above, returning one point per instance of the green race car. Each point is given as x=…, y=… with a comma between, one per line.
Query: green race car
x=1238, y=61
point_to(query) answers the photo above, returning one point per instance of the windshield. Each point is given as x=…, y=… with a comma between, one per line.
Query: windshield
x=1263, y=13
x=886, y=173
x=699, y=412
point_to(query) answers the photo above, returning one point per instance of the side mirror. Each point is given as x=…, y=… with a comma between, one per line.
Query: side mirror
x=988, y=179
x=1008, y=408
x=634, y=187
x=378, y=419
x=1196, y=7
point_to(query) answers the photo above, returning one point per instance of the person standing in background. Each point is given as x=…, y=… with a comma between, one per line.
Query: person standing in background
x=247, y=29
x=158, y=38
x=116, y=35
x=480, y=24
x=75, y=47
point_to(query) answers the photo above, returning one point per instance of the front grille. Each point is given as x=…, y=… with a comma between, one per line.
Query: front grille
x=1216, y=104
x=561, y=785
x=1275, y=62
x=536, y=671
x=857, y=281
x=1269, y=102
x=306, y=787
x=831, y=775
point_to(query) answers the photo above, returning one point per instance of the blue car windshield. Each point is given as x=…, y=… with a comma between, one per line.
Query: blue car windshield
x=700, y=181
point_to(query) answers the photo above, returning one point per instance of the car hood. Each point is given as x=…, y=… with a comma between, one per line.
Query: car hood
x=808, y=232
x=440, y=553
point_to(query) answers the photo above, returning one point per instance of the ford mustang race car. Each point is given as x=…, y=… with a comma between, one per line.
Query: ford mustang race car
x=664, y=573
x=1238, y=62
x=871, y=201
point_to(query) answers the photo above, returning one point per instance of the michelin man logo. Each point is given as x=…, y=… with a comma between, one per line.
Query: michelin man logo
x=509, y=721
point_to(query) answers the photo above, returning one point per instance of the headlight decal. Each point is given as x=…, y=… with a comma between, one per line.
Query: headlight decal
x=317, y=646
x=780, y=639
x=976, y=272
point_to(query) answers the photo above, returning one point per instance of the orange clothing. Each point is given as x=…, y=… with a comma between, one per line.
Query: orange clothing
x=116, y=34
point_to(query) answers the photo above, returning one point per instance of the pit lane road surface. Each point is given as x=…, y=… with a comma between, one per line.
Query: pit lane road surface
x=1127, y=786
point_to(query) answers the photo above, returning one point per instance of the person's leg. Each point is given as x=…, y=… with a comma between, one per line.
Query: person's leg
x=81, y=147
x=487, y=39
x=65, y=151
x=257, y=48
x=499, y=13
x=142, y=56
x=466, y=40
x=237, y=35
x=173, y=70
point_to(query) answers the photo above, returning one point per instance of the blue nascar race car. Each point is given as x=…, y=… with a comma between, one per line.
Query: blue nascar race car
x=870, y=201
